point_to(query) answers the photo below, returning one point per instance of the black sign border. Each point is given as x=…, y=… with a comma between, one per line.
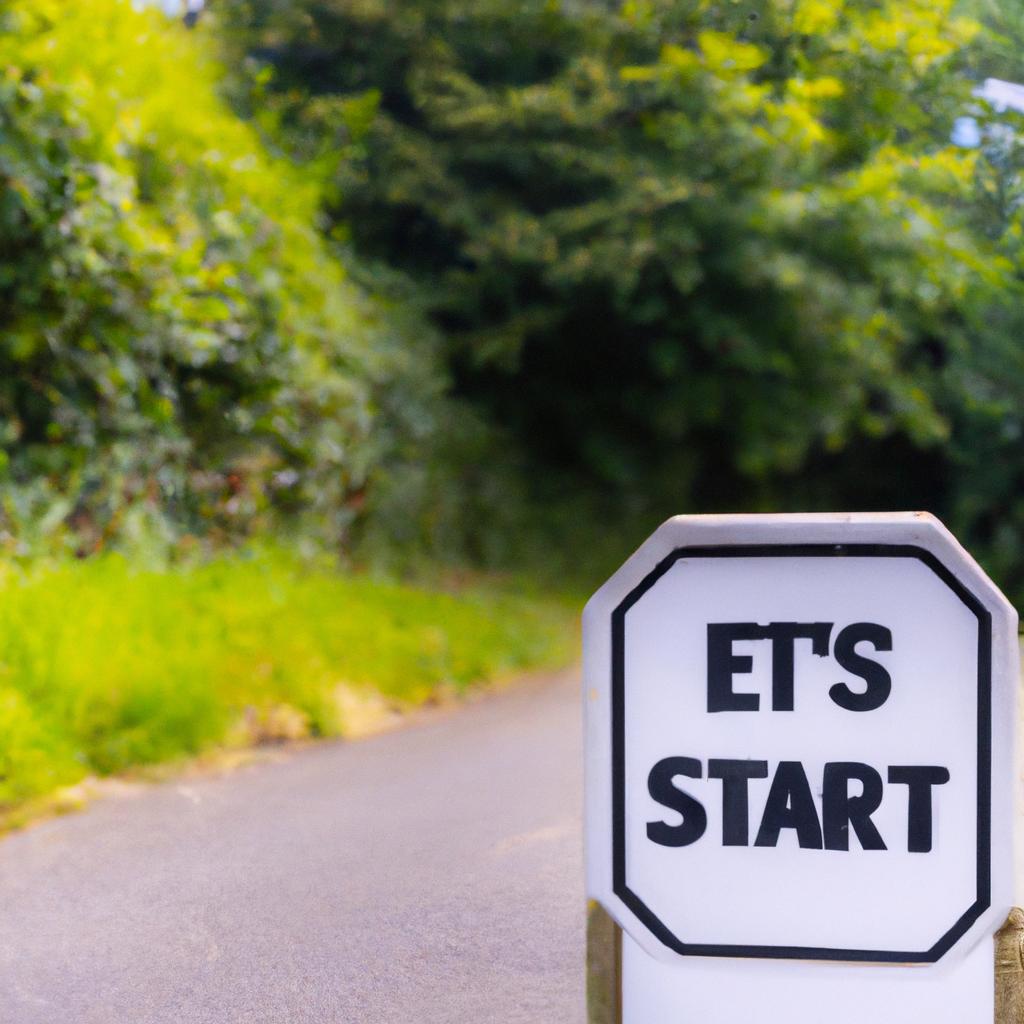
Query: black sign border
x=618, y=709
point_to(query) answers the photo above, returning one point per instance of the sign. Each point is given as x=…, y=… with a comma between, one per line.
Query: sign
x=800, y=742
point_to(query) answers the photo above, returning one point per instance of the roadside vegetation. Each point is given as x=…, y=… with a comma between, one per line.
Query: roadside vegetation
x=105, y=666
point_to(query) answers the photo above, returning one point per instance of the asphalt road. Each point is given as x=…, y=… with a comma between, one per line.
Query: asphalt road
x=427, y=876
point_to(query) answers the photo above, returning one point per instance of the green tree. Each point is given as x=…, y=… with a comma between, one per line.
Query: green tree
x=682, y=248
x=985, y=380
x=1000, y=49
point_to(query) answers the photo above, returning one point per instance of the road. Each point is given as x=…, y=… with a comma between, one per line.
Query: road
x=427, y=876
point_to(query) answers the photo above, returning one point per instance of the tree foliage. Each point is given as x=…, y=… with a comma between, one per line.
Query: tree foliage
x=678, y=255
x=681, y=247
x=178, y=350
x=985, y=477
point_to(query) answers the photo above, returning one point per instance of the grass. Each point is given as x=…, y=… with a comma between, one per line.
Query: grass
x=105, y=667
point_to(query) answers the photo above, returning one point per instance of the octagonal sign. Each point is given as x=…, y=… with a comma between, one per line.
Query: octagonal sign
x=800, y=740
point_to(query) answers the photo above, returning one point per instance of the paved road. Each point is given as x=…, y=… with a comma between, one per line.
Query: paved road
x=428, y=876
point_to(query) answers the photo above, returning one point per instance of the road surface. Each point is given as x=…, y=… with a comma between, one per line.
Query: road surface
x=427, y=876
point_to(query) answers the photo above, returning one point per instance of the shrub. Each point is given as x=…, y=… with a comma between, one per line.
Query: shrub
x=179, y=351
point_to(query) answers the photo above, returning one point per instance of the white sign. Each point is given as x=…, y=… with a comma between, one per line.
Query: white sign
x=800, y=742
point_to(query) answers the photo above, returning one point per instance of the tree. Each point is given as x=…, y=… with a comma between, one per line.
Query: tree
x=985, y=382
x=681, y=248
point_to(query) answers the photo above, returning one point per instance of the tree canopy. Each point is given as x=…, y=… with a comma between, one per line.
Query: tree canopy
x=675, y=245
x=443, y=272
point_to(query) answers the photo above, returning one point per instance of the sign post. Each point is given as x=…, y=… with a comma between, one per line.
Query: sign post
x=800, y=775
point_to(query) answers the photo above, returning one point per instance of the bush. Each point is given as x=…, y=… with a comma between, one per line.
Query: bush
x=179, y=351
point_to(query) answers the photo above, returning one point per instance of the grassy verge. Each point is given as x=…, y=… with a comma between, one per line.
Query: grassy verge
x=105, y=667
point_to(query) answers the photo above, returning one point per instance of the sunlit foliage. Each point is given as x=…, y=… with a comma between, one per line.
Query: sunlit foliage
x=179, y=352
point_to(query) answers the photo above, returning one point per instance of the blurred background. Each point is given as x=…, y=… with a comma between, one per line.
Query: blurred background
x=346, y=344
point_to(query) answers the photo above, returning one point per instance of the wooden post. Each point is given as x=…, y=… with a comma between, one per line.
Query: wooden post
x=1010, y=970
x=604, y=967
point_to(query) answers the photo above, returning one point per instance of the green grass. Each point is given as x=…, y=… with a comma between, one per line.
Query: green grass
x=105, y=667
